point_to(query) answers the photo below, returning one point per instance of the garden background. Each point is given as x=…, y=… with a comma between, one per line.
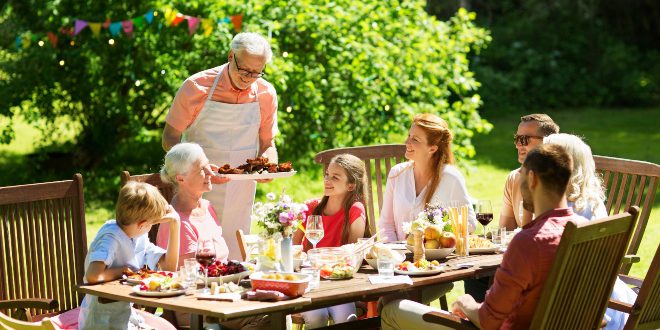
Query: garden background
x=347, y=73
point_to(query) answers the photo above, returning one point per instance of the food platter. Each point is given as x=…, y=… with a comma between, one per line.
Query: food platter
x=228, y=278
x=257, y=176
x=433, y=271
x=167, y=293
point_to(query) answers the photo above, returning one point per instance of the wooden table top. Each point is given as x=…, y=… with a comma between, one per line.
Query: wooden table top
x=330, y=291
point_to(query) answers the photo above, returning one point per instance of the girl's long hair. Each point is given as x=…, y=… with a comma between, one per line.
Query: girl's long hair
x=438, y=134
x=355, y=172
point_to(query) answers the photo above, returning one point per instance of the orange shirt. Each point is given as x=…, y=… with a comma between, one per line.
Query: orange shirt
x=192, y=95
x=512, y=299
x=333, y=225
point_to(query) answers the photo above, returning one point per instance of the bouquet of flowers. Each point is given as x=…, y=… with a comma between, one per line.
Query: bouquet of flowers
x=433, y=214
x=281, y=216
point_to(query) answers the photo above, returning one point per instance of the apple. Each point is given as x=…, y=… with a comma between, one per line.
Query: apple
x=431, y=244
x=432, y=232
x=447, y=240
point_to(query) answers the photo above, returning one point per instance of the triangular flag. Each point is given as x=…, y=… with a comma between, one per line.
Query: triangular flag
x=207, y=26
x=237, y=21
x=128, y=27
x=96, y=28
x=79, y=26
x=226, y=20
x=138, y=22
x=170, y=15
x=53, y=39
x=178, y=19
x=106, y=24
x=114, y=28
x=67, y=31
x=26, y=42
x=193, y=24
x=19, y=42
x=149, y=16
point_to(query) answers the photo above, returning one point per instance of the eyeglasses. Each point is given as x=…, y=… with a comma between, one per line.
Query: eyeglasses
x=524, y=139
x=246, y=73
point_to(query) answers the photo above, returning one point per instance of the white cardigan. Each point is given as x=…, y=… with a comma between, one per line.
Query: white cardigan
x=401, y=205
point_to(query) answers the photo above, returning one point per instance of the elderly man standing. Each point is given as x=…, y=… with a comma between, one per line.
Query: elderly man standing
x=531, y=131
x=231, y=111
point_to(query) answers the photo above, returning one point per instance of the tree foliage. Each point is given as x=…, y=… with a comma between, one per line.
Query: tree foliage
x=347, y=72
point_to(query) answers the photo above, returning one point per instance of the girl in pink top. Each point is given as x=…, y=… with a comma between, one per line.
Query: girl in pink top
x=344, y=221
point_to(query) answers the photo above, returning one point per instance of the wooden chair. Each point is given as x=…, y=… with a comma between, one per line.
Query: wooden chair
x=378, y=160
x=627, y=183
x=645, y=312
x=166, y=189
x=247, y=244
x=581, y=279
x=7, y=322
x=42, y=246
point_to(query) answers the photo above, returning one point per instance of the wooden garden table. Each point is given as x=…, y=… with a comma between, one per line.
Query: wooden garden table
x=328, y=294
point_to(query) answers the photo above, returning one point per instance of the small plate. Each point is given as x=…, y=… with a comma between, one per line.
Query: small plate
x=169, y=293
x=493, y=249
x=420, y=272
x=266, y=175
x=135, y=281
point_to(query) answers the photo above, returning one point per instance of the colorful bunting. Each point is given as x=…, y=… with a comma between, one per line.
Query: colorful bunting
x=114, y=28
x=19, y=42
x=237, y=21
x=128, y=27
x=178, y=18
x=207, y=26
x=138, y=22
x=193, y=24
x=53, y=38
x=79, y=26
x=106, y=24
x=149, y=16
x=96, y=29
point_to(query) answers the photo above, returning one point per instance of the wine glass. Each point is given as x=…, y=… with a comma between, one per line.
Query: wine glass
x=205, y=255
x=484, y=211
x=314, y=229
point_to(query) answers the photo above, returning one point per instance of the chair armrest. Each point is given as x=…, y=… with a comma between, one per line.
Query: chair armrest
x=630, y=259
x=620, y=306
x=448, y=320
x=634, y=281
x=38, y=303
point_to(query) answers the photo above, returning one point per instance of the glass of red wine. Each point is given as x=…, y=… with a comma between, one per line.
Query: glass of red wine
x=205, y=255
x=484, y=211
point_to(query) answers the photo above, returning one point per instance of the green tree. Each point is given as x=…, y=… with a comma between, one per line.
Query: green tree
x=347, y=72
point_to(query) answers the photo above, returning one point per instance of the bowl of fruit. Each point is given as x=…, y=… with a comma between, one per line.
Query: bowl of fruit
x=230, y=271
x=290, y=284
x=335, y=263
x=438, y=244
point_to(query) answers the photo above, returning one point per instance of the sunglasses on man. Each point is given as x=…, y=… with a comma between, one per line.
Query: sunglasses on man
x=524, y=139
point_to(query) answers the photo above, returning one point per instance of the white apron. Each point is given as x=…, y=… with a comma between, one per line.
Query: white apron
x=229, y=134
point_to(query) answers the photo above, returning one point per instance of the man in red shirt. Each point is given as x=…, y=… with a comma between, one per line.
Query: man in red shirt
x=511, y=301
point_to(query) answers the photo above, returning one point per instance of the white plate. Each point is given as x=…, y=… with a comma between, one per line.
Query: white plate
x=170, y=293
x=260, y=176
x=485, y=250
x=136, y=281
x=227, y=278
x=420, y=272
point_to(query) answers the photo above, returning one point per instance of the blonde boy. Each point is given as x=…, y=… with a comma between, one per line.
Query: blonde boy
x=122, y=244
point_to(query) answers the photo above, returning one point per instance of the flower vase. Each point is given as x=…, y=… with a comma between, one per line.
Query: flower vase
x=269, y=254
x=287, y=254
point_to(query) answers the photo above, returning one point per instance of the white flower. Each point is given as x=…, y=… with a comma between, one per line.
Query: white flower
x=270, y=196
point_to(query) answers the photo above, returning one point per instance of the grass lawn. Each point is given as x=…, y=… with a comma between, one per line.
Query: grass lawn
x=625, y=133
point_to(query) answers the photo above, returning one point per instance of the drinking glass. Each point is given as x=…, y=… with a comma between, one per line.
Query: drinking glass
x=191, y=267
x=205, y=255
x=314, y=229
x=484, y=212
x=385, y=267
x=315, y=274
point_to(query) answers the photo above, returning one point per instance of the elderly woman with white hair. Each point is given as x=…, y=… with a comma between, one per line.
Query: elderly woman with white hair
x=231, y=111
x=585, y=194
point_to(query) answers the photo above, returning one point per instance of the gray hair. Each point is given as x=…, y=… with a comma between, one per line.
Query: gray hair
x=585, y=187
x=252, y=43
x=179, y=160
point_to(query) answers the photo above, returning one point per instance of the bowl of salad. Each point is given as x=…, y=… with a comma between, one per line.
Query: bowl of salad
x=335, y=263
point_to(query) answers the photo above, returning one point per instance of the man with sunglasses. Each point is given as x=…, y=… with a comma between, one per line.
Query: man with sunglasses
x=231, y=111
x=531, y=131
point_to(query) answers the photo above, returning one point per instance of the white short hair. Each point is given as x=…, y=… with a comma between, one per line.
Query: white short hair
x=585, y=187
x=253, y=44
x=179, y=160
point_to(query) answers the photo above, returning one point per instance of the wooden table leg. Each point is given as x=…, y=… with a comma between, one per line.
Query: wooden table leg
x=196, y=322
x=277, y=321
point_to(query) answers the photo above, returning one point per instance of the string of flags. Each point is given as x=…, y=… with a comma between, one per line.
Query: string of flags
x=115, y=28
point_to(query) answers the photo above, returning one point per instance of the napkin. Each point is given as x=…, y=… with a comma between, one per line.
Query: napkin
x=403, y=279
x=266, y=295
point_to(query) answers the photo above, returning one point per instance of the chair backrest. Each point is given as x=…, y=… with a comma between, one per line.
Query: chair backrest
x=582, y=276
x=166, y=189
x=7, y=322
x=43, y=241
x=627, y=183
x=378, y=160
x=646, y=310
x=246, y=243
